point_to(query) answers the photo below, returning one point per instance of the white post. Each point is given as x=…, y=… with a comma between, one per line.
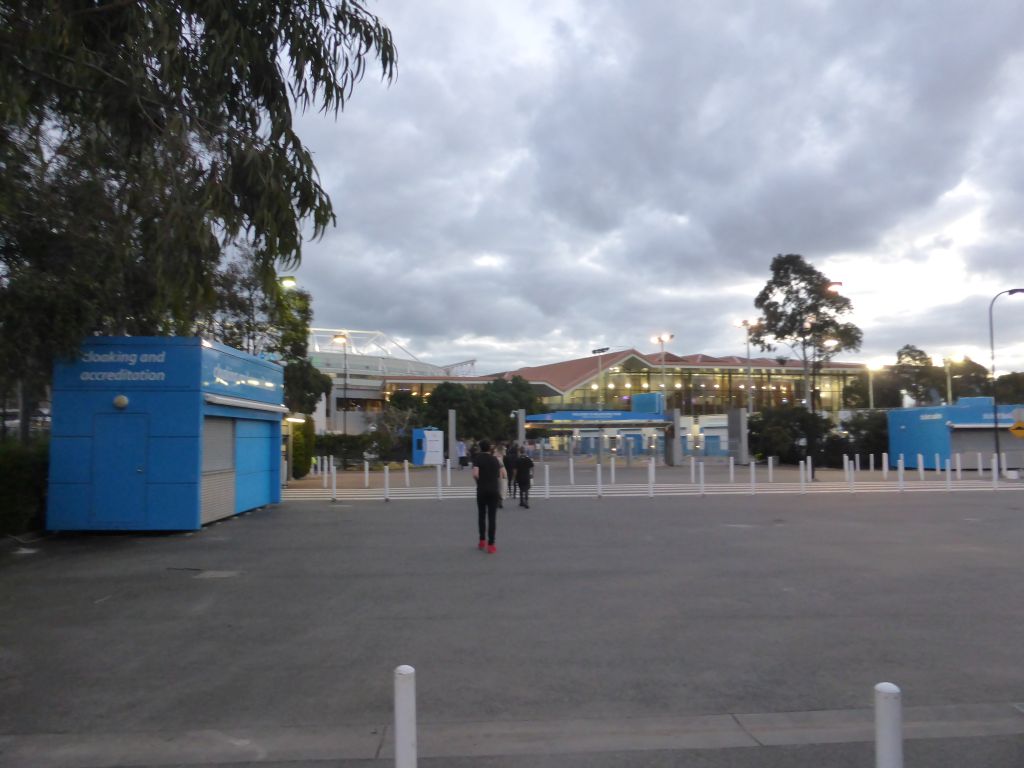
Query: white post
x=938, y=463
x=981, y=467
x=732, y=470
x=405, y=717
x=899, y=471
x=650, y=477
x=803, y=478
x=598, y=467
x=856, y=461
x=885, y=466
x=920, y=467
x=448, y=472
x=334, y=482
x=611, y=463
x=387, y=483
x=809, y=468
x=702, y=478
x=405, y=469
x=366, y=474
x=771, y=469
x=852, y=480
x=1002, y=461
x=888, y=726
x=753, y=477
x=547, y=481
x=871, y=462
x=846, y=467
x=572, y=472
x=995, y=471
x=323, y=469
x=949, y=477
x=440, y=490
x=693, y=470
x=959, y=468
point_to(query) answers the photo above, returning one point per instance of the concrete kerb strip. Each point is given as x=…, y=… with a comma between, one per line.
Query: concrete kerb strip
x=501, y=737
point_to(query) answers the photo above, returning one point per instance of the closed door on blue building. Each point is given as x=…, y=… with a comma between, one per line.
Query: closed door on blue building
x=119, y=468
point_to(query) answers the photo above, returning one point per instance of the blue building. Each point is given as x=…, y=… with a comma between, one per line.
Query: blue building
x=946, y=430
x=155, y=433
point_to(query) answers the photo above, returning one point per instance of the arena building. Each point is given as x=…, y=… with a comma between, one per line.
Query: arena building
x=368, y=367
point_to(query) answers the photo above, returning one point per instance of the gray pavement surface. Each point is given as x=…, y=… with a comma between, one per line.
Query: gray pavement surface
x=724, y=631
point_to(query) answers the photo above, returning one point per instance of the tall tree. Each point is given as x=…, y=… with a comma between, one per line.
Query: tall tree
x=138, y=139
x=801, y=309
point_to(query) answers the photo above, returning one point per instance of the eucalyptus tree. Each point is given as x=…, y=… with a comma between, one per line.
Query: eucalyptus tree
x=138, y=139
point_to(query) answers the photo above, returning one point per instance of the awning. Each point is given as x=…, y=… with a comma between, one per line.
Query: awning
x=238, y=402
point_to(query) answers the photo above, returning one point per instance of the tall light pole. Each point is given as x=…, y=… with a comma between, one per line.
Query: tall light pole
x=341, y=337
x=872, y=367
x=600, y=389
x=992, y=345
x=662, y=338
x=750, y=392
x=947, y=362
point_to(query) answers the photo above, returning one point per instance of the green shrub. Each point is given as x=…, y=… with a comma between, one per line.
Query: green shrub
x=24, y=469
x=303, y=443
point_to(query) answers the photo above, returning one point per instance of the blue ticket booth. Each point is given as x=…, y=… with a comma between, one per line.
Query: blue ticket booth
x=162, y=434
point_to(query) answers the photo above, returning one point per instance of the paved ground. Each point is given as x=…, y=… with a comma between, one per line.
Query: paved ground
x=714, y=632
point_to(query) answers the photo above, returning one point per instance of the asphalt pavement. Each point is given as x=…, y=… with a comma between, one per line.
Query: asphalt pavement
x=686, y=631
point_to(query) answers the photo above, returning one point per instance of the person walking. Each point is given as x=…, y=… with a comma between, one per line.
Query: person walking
x=524, y=475
x=488, y=473
x=460, y=451
x=511, y=456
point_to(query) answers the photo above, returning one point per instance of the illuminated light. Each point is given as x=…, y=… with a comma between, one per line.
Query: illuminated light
x=252, y=382
x=610, y=385
x=593, y=386
x=628, y=385
x=742, y=386
x=268, y=384
x=288, y=282
x=679, y=386
x=295, y=419
x=645, y=385
x=717, y=386
x=206, y=344
x=662, y=385
x=702, y=386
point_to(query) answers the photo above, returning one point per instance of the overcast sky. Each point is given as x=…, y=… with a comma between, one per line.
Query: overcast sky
x=546, y=176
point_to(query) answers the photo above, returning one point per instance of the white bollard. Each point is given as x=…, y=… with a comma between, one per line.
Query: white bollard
x=1002, y=462
x=959, y=468
x=547, y=481
x=448, y=472
x=995, y=471
x=920, y=467
x=803, y=477
x=888, y=726
x=856, y=462
x=702, y=478
x=981, y=467
x=440, y=489
x=949, y=476
x=846, y=467
x=611, y=465
x=753, y=477
x=572, y=472
x=771, y=469
x=871, y=462
x=809, y=468
x=366, y=474
x=598, y=467
x=334, y=482
x=885, y=466
x=405, y=717
x=387, y=483
x=899, y=471
x=732, y=470
x=650, y=477
x=852, y=480
x=323, y=469
x=693, y=470
x=938, y=463
x=405, y=469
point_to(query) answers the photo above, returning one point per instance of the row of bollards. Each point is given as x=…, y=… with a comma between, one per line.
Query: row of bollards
x=888, y=722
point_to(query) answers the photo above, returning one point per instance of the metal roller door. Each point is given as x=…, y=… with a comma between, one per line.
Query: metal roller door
x=218, y=486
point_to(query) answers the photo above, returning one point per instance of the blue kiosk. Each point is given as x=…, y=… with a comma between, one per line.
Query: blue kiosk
x=162, y=434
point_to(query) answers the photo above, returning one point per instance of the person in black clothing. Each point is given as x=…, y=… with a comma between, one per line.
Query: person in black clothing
x=524, y=473
x=488, y=473
x=509, y=460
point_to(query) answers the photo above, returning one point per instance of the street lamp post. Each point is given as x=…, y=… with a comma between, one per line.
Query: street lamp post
x=600, y=389
x=872, y=367
x=992, y=345
x=662, y=338
x=948, y=363
x=342, y=338
x=750, y=392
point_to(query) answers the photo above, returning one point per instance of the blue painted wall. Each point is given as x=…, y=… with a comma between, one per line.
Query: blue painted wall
x=139, y=467
x=928, y=430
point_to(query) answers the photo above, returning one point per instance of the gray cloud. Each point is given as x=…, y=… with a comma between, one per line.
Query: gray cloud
x=588, y=174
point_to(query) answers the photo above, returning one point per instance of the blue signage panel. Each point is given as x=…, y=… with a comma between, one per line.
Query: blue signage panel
x=596, y=416
x=234, y=374
x=129, y=364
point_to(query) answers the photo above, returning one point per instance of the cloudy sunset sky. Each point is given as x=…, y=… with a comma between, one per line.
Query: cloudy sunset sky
x=544, y=178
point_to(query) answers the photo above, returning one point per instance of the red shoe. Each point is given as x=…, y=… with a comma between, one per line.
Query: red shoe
x=482, y=545
x=491, y=549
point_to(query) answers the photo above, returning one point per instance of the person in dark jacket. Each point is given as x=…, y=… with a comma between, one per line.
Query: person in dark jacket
x=488, y=473
x=509, y=460
x=524, y=475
